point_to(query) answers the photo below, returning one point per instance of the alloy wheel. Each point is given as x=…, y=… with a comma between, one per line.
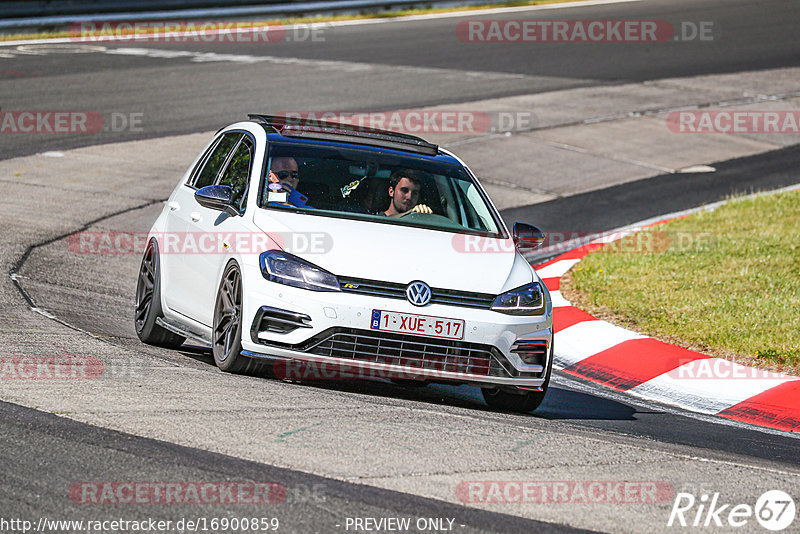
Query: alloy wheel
x=145, y=287
x=229, y=313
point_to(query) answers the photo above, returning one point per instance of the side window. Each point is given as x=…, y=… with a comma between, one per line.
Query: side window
x=237, y=173
x=215, y=160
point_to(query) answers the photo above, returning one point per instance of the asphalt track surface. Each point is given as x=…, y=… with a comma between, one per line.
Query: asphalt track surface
x=622, y=205
x=754, y=35
x=410, y=65
x=28, y=433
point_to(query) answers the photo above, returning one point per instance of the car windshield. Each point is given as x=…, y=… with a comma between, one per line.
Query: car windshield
x=383, y=187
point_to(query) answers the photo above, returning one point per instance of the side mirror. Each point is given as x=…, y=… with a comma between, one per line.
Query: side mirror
x=527, y=238
x=216, y=197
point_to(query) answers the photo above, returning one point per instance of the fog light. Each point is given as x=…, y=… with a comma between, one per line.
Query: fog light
x=532, y=353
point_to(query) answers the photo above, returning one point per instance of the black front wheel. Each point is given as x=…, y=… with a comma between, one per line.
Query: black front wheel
x=519, y=401
x=508, y=401
x=148, y=303
x=227, y=329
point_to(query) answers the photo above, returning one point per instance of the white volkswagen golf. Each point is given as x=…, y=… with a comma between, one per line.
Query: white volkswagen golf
x=310, y=245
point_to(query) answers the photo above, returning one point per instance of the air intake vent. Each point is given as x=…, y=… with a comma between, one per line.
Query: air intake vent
x=277, y=321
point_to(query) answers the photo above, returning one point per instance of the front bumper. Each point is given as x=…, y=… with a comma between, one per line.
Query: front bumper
x=340, y=369
x=331, y=332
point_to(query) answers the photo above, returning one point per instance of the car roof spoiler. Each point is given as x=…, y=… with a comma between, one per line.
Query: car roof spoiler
x=347, y=133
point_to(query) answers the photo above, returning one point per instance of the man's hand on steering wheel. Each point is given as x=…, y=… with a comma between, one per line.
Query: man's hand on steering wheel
x=421, y=208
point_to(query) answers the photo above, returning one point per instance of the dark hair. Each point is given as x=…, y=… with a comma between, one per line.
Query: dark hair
x=411, y=174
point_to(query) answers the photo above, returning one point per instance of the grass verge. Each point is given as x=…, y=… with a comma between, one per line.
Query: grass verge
x=724, y=282
x=286, y=20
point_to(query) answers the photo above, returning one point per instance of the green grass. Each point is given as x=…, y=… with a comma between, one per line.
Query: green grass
x=312, y=19
x=725, y=282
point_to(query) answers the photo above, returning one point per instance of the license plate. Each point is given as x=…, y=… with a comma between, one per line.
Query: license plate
x=421, y=325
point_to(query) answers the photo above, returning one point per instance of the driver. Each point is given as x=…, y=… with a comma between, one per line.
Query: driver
x=404, y=191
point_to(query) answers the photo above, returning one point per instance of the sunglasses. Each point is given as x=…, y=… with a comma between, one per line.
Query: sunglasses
x=283, y=175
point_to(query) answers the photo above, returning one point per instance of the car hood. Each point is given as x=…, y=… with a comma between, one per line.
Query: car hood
x=395, y=253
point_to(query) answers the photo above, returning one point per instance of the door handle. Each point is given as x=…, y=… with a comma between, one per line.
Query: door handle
x=173, y=206
x=195, y=216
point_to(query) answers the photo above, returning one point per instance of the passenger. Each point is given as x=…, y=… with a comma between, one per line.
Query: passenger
x=404, y=190
x=284, y=171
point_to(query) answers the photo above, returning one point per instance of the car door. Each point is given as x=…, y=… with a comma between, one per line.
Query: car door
x=219, y=231
x=179, y=244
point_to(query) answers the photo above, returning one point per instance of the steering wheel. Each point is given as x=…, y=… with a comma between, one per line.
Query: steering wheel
x=413, y=215
x=431, y=218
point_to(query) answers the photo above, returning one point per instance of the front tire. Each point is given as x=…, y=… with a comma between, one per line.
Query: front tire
x=148, y=303
x=520, y=402
x=226, y=337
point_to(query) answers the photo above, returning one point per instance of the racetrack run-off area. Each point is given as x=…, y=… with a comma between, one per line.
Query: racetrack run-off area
x=576, y=138
x=645, y=367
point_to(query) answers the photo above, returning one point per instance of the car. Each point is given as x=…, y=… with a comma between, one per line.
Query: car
x=279, y=248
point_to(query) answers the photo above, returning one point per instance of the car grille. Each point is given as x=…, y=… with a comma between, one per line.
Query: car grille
x=411, y=352
x=394, y=290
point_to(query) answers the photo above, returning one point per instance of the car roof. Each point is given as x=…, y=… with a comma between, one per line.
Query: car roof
x=283, y=128
x=442, y=157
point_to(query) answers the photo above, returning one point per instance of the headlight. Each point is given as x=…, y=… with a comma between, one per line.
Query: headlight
x=283, y=268
x=525, y=300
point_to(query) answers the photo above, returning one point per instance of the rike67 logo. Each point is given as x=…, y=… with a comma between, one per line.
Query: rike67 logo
x=774, y=510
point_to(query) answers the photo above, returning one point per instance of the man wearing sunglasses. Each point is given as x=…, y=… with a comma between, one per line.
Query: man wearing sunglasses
x=284, y=177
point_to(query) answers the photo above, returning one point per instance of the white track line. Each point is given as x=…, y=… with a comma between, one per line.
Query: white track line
x=411, y=18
